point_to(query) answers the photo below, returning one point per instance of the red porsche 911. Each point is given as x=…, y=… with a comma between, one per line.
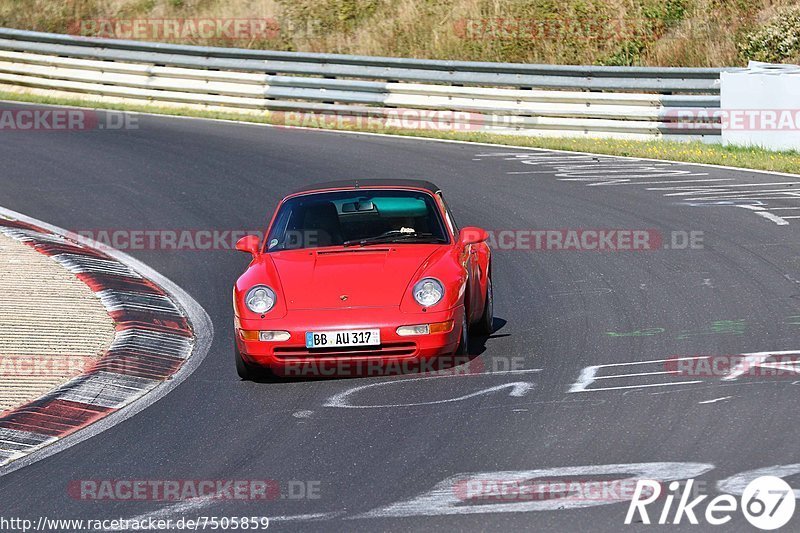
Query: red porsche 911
x=367, y=272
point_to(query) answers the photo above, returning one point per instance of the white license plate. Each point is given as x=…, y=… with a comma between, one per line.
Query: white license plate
x=345, y=337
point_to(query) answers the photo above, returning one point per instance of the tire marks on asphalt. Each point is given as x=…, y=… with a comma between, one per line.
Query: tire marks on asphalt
x=686, y=182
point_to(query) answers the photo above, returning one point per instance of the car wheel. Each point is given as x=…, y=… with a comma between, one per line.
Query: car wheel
x=486, y=324
x=245, y=371
x=463, y=343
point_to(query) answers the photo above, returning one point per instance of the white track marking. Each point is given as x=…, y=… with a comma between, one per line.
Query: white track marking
x=449, y=497
x=668, y=181
x=734, y=194
x=518, y=389
x=343, y=395
x=725, y=186
x=203, y=331
x=624, y=180
x=736, y=484
x=590, y=171
x=756, y=359
x=638, y=374
x=611, y=171
x=774, y=218
x=715, y=400
x=586, y=378
x=304, y=517
x=623, y=387
x=631, y=363
x=181, y=508
x=763, y=212
x=752, y=199
x=588, y=375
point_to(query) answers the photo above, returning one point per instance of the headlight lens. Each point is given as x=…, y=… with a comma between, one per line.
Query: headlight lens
x=428, y=292
x=260, y=299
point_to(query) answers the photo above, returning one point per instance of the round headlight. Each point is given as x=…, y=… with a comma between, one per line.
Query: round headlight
x=428, y=292
x=260, y=299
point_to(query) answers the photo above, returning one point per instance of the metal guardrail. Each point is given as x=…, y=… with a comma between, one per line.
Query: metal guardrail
x=631, y=102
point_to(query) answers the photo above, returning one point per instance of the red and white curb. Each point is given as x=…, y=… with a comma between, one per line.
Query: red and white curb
x=161, y=336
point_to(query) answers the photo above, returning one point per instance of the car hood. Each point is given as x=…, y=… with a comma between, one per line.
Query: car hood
x=368, y=276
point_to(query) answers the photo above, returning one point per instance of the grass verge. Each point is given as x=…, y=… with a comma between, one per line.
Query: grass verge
x=694, y=152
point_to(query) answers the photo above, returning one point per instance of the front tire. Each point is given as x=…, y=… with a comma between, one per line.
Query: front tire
x=486, y=324
x=463, y=343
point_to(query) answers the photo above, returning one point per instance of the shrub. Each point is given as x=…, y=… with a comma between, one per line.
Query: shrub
x=775, y=42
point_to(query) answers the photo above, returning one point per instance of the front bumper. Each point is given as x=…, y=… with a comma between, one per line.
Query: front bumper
x=291, y=357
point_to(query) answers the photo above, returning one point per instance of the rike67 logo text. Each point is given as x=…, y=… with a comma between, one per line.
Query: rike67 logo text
x=767, y=502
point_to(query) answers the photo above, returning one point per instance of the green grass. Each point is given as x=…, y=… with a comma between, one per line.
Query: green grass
x=603, y=32
x=694, y=152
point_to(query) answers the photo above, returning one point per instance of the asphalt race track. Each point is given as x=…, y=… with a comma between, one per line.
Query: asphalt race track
x=558, y=312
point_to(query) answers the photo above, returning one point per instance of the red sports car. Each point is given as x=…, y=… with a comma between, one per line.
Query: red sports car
x=359, y=275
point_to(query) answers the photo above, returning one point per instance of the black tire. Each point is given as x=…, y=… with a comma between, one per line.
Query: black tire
x=245, y=371
x=486, y=324
x=463, y=343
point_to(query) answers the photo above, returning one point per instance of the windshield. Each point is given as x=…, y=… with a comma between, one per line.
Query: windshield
x=356, y=218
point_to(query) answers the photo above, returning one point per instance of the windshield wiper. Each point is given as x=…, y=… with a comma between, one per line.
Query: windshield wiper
x=394, y=235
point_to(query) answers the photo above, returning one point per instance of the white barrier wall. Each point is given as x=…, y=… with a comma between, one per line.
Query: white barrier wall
x=760, y=106
x=303, y=89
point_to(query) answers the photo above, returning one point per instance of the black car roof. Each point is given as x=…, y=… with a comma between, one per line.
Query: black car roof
x=353, y=184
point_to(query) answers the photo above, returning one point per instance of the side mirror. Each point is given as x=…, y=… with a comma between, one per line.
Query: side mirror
x=472, y=235
x=249, y=244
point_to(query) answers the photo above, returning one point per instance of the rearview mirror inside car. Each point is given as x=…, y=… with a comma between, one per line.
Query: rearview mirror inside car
x=353, y=207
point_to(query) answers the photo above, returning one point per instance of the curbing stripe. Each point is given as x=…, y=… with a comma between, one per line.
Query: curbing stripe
x=143, y=341
x=53, y=417
x=80, y=264
x=154, y=340
x=115, y=300
x=106, y=389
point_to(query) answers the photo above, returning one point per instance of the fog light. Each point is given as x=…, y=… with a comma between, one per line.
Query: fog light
x=425, y=329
